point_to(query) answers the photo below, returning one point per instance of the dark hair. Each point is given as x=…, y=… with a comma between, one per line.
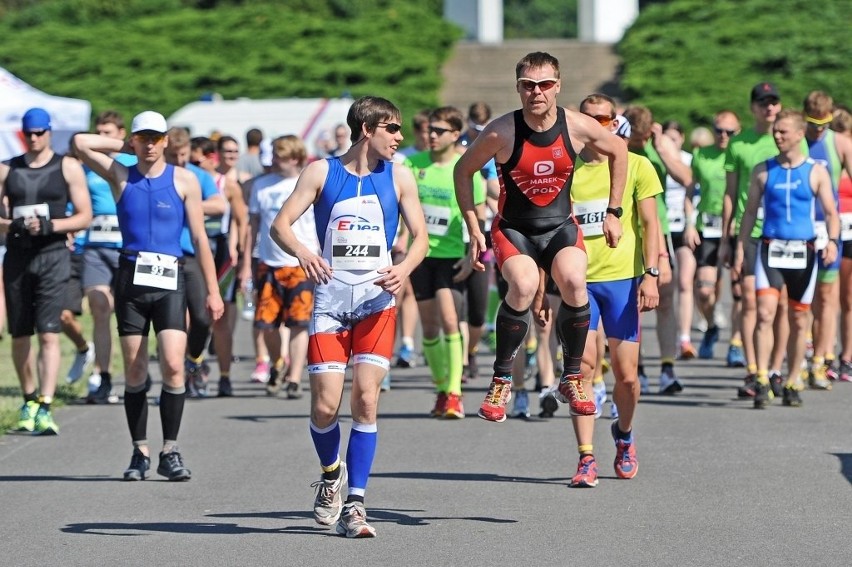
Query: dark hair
x=223, y=139
x=479, y=112
x=536, y=60
x=420, y=120
x=449, y=114
x=369, y=111
x=673, y=125
x=205, y=144
x=110, y=117
x=254, y=137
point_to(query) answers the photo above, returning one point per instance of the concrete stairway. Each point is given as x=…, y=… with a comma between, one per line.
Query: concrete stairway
x=477, y=72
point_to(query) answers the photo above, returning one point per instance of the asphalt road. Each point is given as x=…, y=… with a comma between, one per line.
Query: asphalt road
x=719, y=484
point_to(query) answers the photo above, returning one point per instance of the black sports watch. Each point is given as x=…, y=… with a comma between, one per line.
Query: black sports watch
x=653, y=272
x=617, y=211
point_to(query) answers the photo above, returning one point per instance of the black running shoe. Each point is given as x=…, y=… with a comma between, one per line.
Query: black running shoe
x=274, y=384
x=791, y=397
x=139, y=466
x=293, y=390
x=776, y=381
x=748, y=389
x=171, y=466
x=548, y=406
x=225, y=388
x=762, y=395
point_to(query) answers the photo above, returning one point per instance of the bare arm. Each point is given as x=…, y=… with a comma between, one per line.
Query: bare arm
x=96, y=152
x=821, y=183
x=307, y=190
x=843, y=144
x=4, y=222
x=649, y=295
x=189, y=188
x=239, y=215
x=670, y=154
x=755, y=196
x=78, y=192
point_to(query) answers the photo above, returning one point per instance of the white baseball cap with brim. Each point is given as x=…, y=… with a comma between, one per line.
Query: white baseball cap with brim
x=149, y=121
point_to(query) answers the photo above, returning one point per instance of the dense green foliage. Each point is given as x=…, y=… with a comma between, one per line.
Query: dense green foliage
x=163, y=54
x=540, y=18
x=686, y=59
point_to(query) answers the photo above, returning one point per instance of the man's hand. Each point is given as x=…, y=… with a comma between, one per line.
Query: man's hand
x=215, y=306
x=649, y=294
x=463, y=269
x=393, y=280
x=316, y=268
x=829, y=253
x=542, y=313
x=477, y=248
x=691, y=238
x=665, y=271
x=612, y=230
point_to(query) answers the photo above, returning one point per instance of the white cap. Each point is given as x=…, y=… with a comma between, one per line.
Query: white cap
x=624, y=130
x=149, y=121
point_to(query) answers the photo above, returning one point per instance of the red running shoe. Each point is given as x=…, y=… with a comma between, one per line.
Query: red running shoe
x=571, y=392
x=587, y=473
x=499, y=394
x=626, y=465
x=453, y=408
x=440, y=405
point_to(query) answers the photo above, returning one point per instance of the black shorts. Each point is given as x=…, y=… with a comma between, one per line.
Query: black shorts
x=542, y=247
x=476, y=297
x=707, y=253
x=36, y=284
x=749, y=255
x=74, y=288
x=800, y=282
x=433, y=274
x=847, y=250
x=196, y=292
x=677, y=240
x=137, y=307
x=221, y=260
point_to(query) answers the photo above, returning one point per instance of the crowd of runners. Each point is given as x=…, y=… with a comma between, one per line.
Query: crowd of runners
x=542, y=236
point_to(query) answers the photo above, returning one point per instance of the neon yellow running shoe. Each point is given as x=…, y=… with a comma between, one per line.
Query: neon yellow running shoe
x=44, y=424
x=26, y=421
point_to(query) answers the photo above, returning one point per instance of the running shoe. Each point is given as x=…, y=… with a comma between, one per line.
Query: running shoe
x=385, y=386
x=328, y=502
x=845, y=371
x=104, y=394
x=139, y=466
x=762, y=395
x=260, y=374
x=26, y=419
x=599, y=389
x=82, y=360
x=440, y=405
x=587, y=473
x=547, y=404
x=273, y=385
x=44, y=424
x=776, y=382
x=226, y=390
x=353, y=521
x=626, y=465
x=572, y=392
x=644, y=383
x=406, y=357
x=196, y=387
x=669, y=384
x=736, y=357
x=453, y=408
x=831, y=370
x=817, y=379
x=493, y=408
x=686, y=351
x=791, y=397
x=171, y=466
x=708, y=342
x=293, y=390
x=472, y=368
x=521, y=405
x=749, y=387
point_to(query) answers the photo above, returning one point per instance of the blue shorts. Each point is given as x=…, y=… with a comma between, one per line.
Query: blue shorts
x=616, y=305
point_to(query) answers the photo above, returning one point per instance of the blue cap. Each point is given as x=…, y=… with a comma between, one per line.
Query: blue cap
x=35, y=119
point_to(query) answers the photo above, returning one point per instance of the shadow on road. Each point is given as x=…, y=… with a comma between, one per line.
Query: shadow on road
x=472, y=477
x=845, y=464
x=37, y=478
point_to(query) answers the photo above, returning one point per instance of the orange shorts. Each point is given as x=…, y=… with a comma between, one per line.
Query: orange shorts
x=285, y=295
x=369, y=340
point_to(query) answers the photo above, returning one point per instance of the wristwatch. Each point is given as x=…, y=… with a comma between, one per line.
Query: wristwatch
x=617, y=211
x=653, y=272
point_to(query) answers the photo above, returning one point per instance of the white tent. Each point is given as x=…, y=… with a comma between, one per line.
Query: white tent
x=67, y=115
x=309, y=118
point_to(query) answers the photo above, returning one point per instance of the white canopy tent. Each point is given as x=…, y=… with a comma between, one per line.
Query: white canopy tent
x=67, y=115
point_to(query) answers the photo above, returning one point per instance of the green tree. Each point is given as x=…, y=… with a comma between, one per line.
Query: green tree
x=539, y=19
x=686, y=59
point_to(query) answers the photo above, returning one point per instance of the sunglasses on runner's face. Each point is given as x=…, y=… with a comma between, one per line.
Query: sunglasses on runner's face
x=391, y=127
x=543, y=84
x=36, y=133
x=721, y=131
x=149, y=138
x=603, y=119
x=439, y=131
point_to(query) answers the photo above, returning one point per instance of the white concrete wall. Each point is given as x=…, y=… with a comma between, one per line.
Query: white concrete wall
x=605, y=21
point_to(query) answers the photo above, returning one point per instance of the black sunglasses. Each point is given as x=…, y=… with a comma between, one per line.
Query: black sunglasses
x=721, y=131
x=38, y=133
x=391, y=127
x=439, y=131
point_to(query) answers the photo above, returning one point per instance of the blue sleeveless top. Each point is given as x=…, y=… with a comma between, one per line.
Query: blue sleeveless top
x=788, y=202
x=151, y=213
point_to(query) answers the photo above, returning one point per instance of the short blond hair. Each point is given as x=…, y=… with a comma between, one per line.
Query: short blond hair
x=290, y=147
